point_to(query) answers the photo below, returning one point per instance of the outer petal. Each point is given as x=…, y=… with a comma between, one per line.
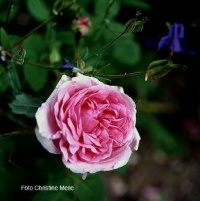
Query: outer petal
x=83, y=167
x=163, y=43
x=118, y=88
x=136, y=140
x=64, y=79
x=45, y=121
x=46, y=143
x=123, y=158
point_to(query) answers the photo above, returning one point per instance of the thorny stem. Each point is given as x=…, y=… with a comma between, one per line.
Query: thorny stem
x=41, y=25
x=9, y=11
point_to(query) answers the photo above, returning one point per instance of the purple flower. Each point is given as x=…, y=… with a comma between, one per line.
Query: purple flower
x=67, y=64
x=173, y=40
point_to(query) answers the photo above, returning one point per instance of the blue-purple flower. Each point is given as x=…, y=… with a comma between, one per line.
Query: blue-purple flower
x=174, y=39
x=67, y=64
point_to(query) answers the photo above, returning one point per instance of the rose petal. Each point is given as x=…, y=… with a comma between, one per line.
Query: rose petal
x=46, y=143
x=135, y=143
x=46, y=121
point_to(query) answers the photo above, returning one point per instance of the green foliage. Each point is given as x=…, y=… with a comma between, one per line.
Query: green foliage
x=35, y=48
x=90, y=189
x=13, y=79
x=4, y=39
x=36, y=77
x=111, y=8
x=38, y=9
x=127, y=51
x=25, y=104
x=140, y=4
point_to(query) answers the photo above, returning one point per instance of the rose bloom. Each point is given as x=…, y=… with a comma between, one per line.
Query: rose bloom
x=91, y=124
x=83, y=24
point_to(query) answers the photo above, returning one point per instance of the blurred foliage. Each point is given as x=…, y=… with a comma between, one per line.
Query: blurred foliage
x=35, y=37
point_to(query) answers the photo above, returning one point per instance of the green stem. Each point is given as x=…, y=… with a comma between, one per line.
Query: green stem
x=32, y=31
x=38, y=27
x=17, y=133
x=105, y=47
x=8, y=13
x=110, y=3
x=122, y=75
x=129, y=27
x=13, y=79
x=41, y=65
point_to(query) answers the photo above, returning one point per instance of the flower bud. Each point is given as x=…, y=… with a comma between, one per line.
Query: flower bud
x=135, y=25
x=82, y=25
x=19, y=59
x=160, y=68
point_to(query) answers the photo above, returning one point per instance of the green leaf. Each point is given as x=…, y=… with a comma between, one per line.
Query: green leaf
x=127, y=51
x=36, y=77
x=4, y=39
x=104, y=5
x=141, y=4
x=90, y=189
x=13, y=79
x=35, y=48
x=25, y=104
x=35, y=45
x=65, y=37
x=38, y=9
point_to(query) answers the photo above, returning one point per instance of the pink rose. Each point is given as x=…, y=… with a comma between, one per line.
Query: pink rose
x=90, y=123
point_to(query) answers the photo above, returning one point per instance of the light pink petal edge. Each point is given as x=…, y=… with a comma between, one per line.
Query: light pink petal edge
x=47, y=144
x=63, y=80
x=82, y=167
x=136, y=140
